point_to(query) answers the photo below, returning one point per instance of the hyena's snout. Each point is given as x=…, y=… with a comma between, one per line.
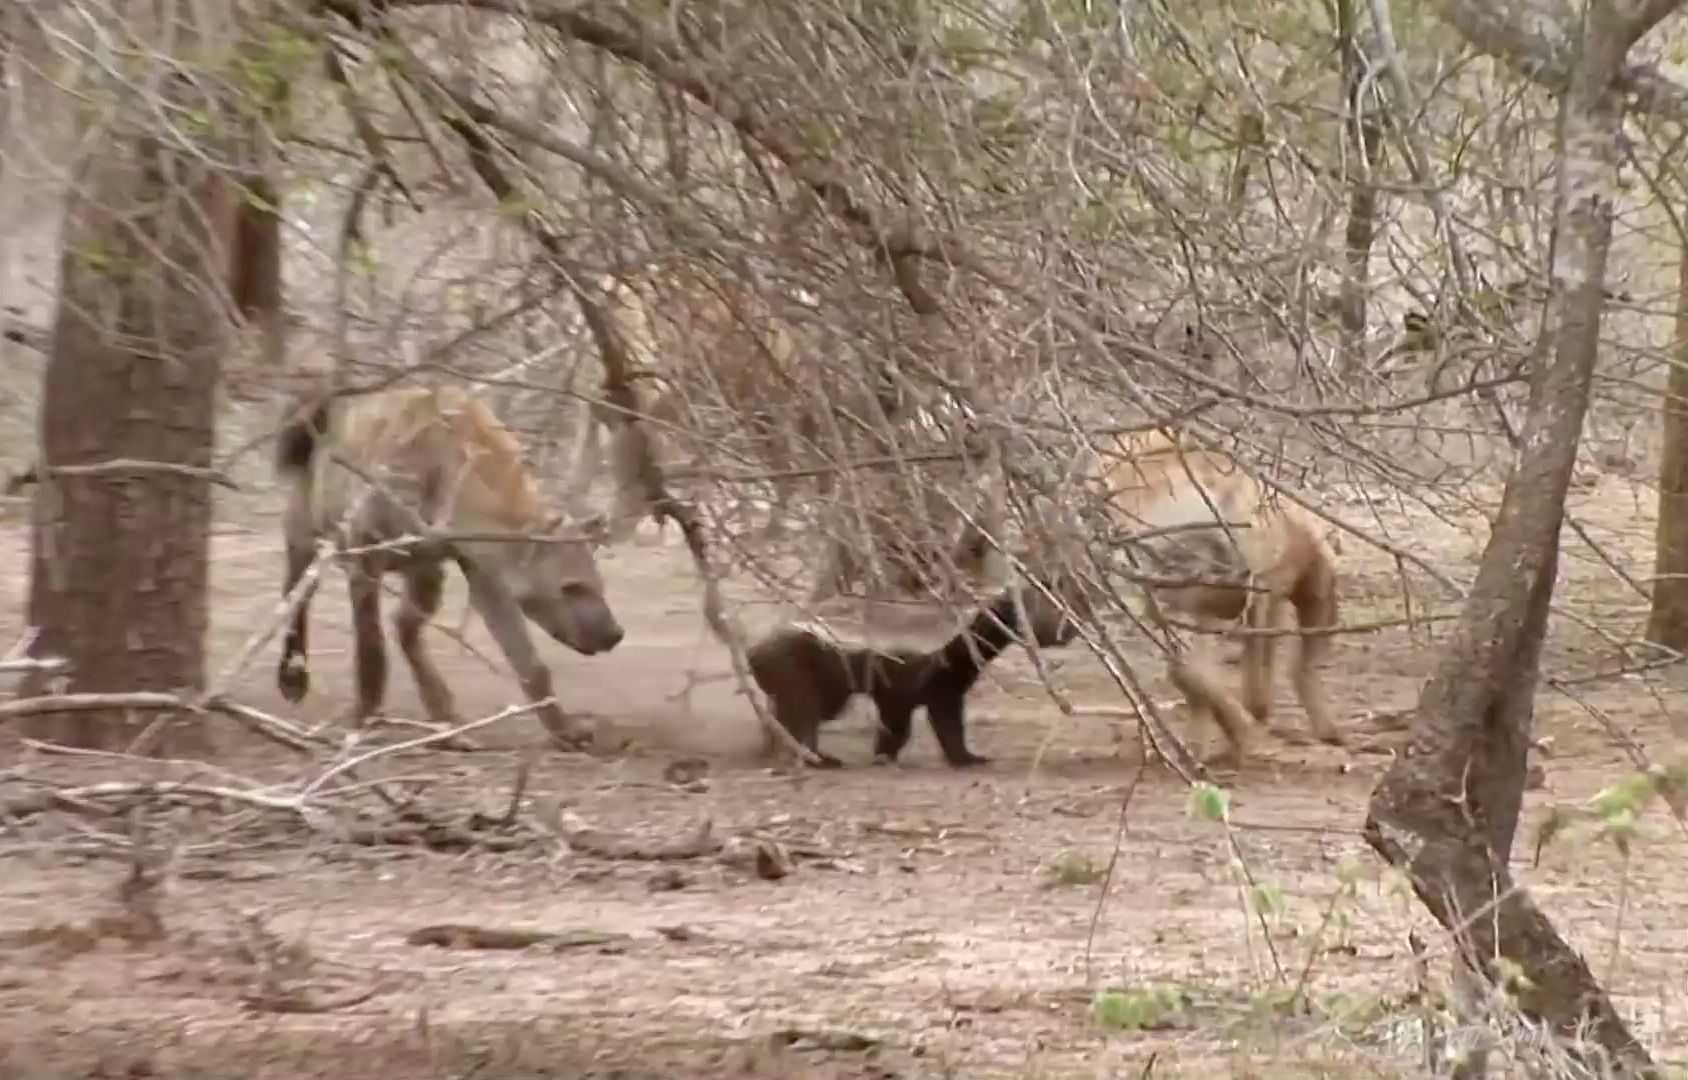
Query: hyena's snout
x=578, y=618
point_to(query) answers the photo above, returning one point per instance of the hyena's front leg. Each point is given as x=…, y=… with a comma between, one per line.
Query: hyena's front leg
x=508, y=626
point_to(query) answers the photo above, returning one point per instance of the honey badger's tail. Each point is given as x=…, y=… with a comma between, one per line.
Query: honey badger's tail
x=297, y=441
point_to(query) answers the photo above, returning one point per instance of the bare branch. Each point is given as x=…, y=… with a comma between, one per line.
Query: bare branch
x=665, y=59
x=32, y=475
x=1538, y=49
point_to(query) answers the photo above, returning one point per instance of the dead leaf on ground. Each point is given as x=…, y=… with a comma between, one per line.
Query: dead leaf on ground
x=768, y=859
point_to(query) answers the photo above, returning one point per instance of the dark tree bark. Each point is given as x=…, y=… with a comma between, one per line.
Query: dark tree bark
x=1667, y=622
x=122, y=511
x=1447, y=811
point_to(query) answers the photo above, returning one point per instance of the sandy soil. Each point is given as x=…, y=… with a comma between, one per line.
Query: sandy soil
x=949, y=923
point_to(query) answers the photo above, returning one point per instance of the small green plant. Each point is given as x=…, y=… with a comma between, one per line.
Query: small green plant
x=1267, y=899
x=96, y=258
x=360, y=258
x=1356, y=1013
x=1280, y=1001
x=1076, y=868
x=1513, y=976
x=1147, y=1009
x=1616, y=810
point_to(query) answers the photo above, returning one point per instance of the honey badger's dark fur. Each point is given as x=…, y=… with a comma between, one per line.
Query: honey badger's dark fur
x=809, y=680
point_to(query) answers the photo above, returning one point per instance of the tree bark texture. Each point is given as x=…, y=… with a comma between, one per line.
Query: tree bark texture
x=1667, y=622
x=1447, y=811
x=120, y=552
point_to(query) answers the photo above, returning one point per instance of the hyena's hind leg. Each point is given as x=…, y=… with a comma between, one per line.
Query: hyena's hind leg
x=424, y=587
x=1316, y=609
x=1208, y=698
x=293, y=675
x=1260, y=646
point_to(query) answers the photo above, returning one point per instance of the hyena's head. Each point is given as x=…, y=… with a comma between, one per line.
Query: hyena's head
x=559, y=588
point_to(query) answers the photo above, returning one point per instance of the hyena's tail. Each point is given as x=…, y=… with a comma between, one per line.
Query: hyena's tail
x=296, y=443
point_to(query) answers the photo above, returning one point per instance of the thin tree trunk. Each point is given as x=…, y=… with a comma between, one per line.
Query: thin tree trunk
x=1446, y=813
x=120, y=551
x=1363, y=136
x=1667, y=623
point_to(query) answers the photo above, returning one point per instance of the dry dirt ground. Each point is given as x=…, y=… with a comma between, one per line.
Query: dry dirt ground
x=937, y=922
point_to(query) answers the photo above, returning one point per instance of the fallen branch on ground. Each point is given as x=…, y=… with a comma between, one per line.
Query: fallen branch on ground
x=437, y=836
x=260, y=723
x=300, y=1001
x=605, y=844
x=470, y=936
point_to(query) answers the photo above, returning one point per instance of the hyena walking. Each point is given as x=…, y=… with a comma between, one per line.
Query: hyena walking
x=441, y=456
x=1263, y=557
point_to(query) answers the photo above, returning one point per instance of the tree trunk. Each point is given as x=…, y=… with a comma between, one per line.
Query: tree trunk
x=1667, y=623
x=122, y=513
x=1447, y=811
x=1363, y=136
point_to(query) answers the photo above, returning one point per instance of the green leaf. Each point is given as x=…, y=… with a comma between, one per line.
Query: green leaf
x=1286, y=24
x=1180, y=143
x=198, y=123
x=515, y=205
x=817, y=137
x=1512, y=976
x=1209, y=801
x=360, y=258
x=1631, y=795
x=1620, y=827
x=1267, y=899
x=968, y=47
x=96, y=258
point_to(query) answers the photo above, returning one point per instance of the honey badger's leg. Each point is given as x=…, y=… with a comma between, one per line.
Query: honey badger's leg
x=889, y=680
x=947, y=713
x=896, y=724
x=895, y=705
x=807, y=684
x=798, y=710
x=363, y=584
x=423, y=588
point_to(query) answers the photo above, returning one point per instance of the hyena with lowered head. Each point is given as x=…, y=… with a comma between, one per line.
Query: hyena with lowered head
x=440, y=457
x=1245, y=557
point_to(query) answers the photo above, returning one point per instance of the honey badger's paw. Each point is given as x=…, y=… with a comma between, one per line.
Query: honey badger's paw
x=968, y=759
